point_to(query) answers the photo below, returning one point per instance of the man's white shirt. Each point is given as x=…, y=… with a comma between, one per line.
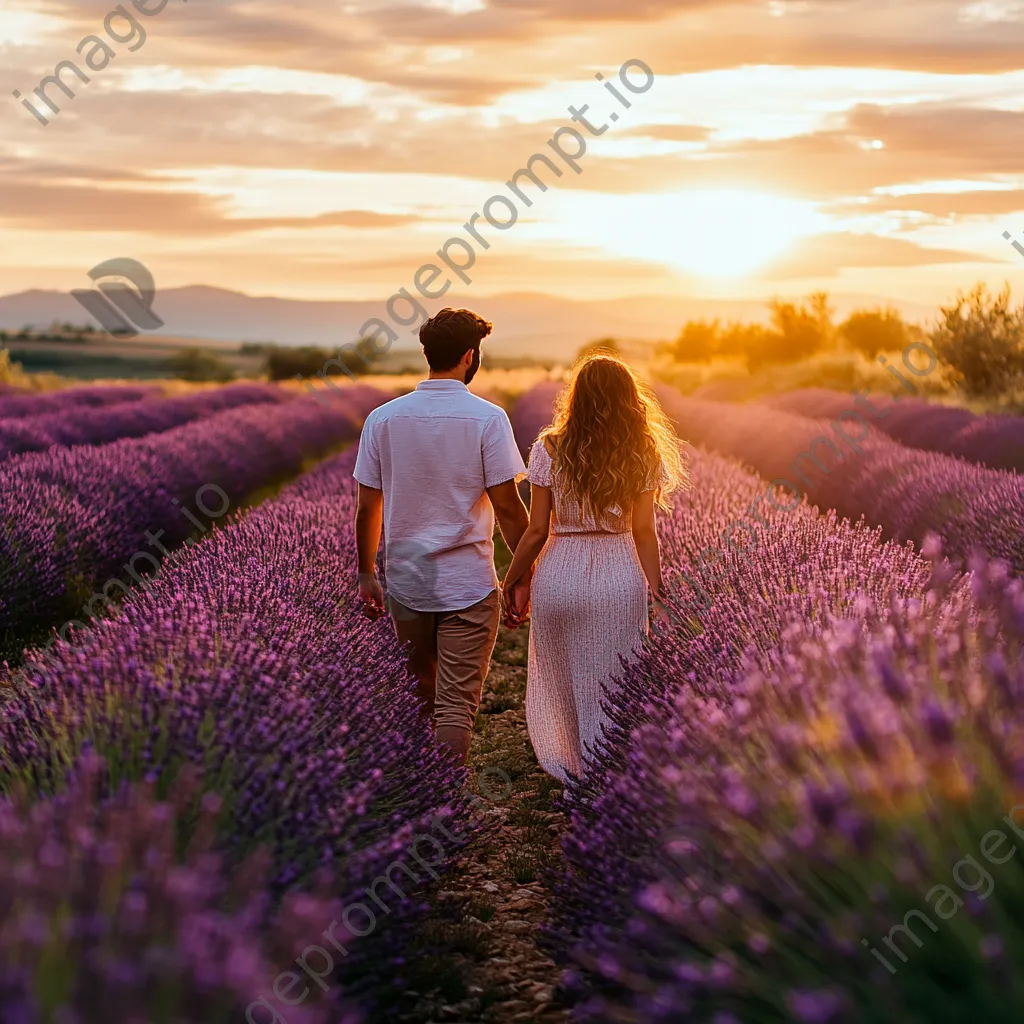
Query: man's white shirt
x=433, y=453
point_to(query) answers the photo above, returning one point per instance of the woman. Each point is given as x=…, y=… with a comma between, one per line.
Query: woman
x=596, y=475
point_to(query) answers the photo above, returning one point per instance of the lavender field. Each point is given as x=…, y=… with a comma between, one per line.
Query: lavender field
x=789, y=818
x=214, y=775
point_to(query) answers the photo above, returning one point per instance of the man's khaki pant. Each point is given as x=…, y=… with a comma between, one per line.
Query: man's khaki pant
x=451, y=654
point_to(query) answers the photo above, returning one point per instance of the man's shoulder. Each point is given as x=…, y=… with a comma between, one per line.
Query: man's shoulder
x=484, y=408
x=388, y=409
x=463, y=404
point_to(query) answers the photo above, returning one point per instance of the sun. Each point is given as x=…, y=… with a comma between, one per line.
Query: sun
x=719, y=233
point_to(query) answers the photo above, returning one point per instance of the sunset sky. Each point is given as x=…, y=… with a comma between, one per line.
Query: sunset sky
x=327, y=149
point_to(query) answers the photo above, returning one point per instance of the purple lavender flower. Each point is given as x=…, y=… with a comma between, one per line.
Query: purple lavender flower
x=82, y=524
x=995, y=441
x=120, y=930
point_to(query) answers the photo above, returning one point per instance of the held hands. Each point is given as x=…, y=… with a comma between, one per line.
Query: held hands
x=372, y=595
x=517, y=602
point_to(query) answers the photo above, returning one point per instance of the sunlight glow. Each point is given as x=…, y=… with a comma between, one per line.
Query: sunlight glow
x=24, y=28
x=709, y=233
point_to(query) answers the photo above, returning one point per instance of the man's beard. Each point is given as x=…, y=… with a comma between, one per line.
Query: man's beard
x=474, y=366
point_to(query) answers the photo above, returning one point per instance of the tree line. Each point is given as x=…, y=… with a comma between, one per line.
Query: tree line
x=978, y=336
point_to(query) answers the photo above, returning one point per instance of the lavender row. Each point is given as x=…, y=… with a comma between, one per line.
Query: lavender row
x=802, y=567
x=789, y=566
x=19, y=404
x=78, y=524
x=248, y=660
x=95, y=426
x=839, y=830
x=907, y=492
x=765, y=611
x=991, y=440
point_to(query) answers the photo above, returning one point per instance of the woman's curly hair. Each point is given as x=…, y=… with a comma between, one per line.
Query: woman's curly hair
x=610, y=439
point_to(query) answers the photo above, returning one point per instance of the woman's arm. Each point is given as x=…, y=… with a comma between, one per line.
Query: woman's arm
x=536, y=535
x=645, y=536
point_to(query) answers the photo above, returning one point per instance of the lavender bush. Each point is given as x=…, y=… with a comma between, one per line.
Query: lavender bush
x=72, y=519
x=906, y=491
x=105, y=920
x=840, y=841
x=69, y=400
x=993, y=441
x=93, y=426
x=532, y=412
x=248, y=657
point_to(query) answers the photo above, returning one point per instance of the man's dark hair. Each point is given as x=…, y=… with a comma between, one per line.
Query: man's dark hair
x=447, y=336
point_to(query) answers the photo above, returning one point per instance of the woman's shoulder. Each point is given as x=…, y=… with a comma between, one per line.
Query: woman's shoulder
x=540, y=466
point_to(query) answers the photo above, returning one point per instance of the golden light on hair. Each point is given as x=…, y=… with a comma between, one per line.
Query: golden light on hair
x=610, y=439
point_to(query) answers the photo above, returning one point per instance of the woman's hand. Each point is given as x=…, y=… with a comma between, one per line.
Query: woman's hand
x=517, y=602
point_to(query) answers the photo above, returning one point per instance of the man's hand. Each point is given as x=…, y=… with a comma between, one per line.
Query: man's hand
x=372, y=595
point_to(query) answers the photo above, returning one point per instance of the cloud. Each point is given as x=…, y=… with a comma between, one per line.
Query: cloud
x=823, y=256
x=941, y=205
x=671, y=132
x=82, y=207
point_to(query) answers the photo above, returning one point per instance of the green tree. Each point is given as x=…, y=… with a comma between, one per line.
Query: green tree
x=198, y=364
x=284, y=363
x=871, y=331
x=982, y=339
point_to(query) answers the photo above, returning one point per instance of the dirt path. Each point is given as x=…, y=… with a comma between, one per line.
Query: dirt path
x=481, y=955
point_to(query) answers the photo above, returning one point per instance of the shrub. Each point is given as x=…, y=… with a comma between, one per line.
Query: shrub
x=601, y=345
x=698, y=342
x=79, y=519
x=993, y=441
x=287, y=363
x=741, y=341
x=982, y=339
x=66, y=400
x=80, y=424
x=906, y=491
x=871, y=331
x=797, y=331
x=248, y=659
x=198, y=364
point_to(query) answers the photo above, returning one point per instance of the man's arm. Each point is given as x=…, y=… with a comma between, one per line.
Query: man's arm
x=369, y=523
x=510, y=512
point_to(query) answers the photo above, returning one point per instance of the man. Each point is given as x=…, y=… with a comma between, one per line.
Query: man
x=434, y=467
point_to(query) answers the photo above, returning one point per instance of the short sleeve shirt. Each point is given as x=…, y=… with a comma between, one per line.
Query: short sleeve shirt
x=434, y=453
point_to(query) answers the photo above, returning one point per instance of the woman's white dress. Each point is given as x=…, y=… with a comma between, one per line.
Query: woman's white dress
x=589, y=611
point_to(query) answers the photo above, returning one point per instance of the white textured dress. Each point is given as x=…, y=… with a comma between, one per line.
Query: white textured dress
x=589, y=612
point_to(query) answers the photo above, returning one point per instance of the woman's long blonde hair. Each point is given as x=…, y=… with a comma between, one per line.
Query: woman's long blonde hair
x=610, y=439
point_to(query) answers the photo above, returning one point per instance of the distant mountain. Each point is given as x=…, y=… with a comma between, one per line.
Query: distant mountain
x=526, y=324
